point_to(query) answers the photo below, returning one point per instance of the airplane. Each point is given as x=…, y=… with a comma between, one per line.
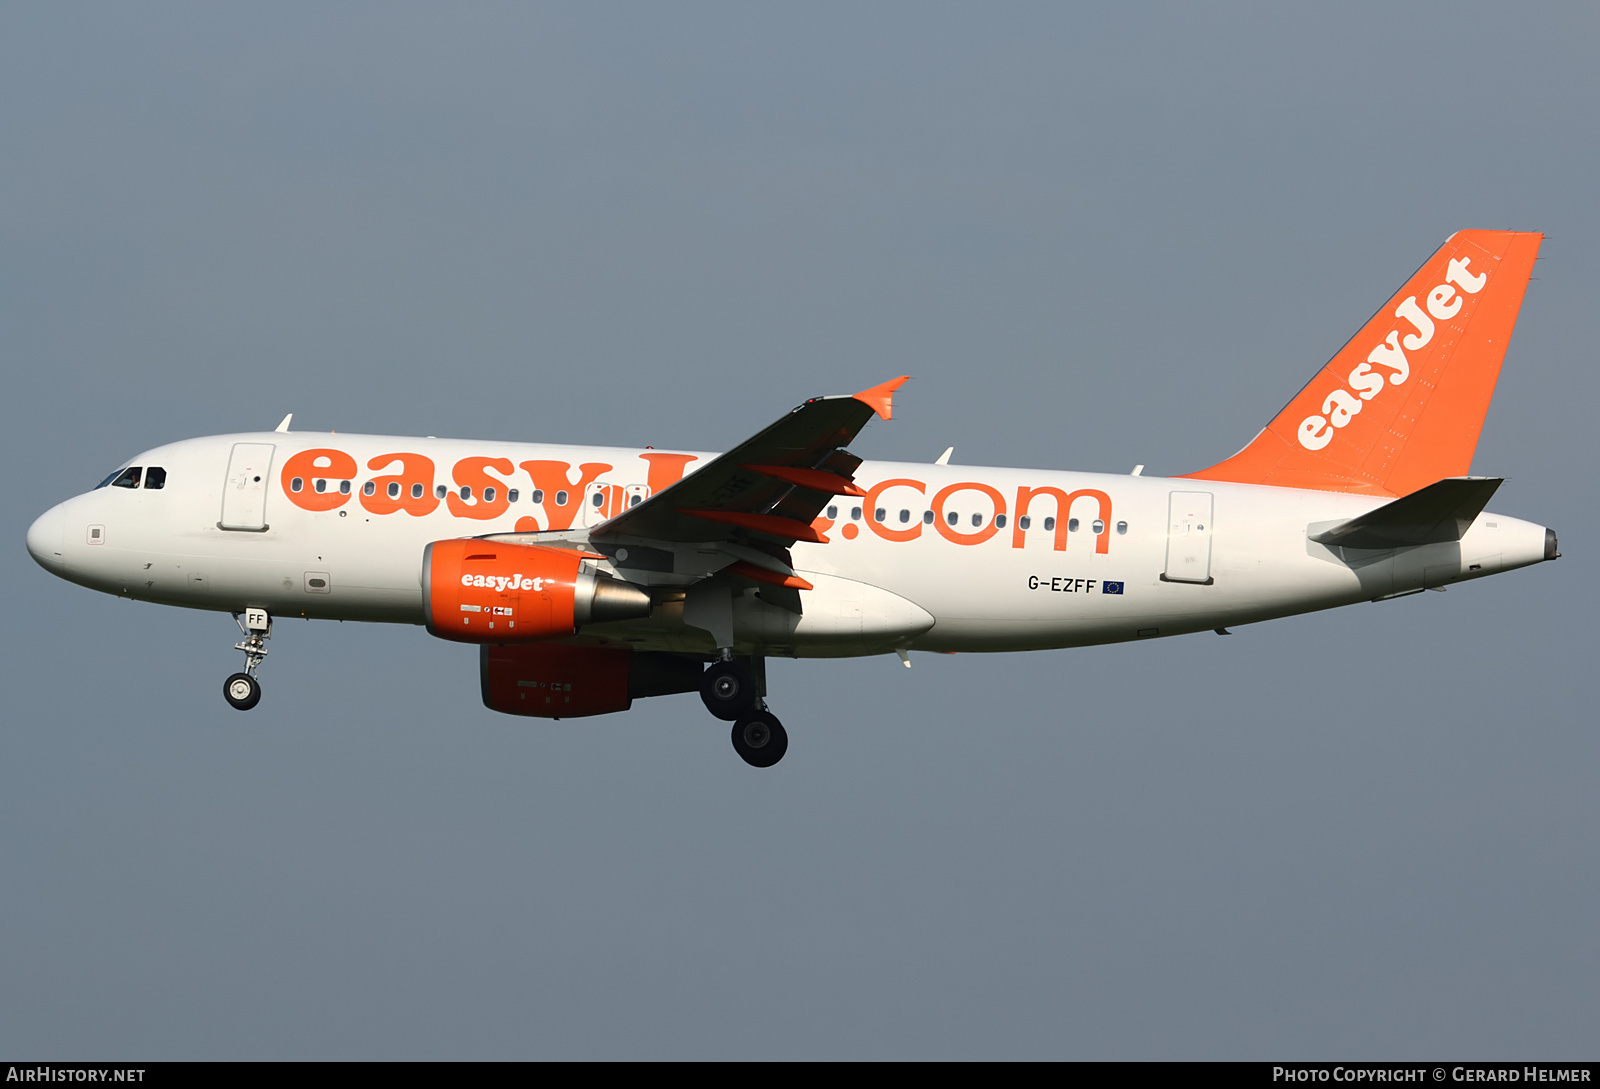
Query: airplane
x=590, y=577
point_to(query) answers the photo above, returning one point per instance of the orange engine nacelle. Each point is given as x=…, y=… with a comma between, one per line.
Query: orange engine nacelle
x=553, y=680
x=476, y=591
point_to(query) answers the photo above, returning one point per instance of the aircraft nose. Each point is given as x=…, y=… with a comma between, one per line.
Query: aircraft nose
x=45, y=538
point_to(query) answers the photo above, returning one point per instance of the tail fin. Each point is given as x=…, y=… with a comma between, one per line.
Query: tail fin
x=1402, y=403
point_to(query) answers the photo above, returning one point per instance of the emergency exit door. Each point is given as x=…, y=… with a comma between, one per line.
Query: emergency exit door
x=1189, y=538
x=603, y=501
x=244, y=493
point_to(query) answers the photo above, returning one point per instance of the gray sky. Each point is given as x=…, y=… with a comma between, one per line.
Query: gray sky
x=1095, y=239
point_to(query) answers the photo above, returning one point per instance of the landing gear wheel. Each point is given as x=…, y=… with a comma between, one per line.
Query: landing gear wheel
x=728, y=690
x=760, y=739
x=242, y=691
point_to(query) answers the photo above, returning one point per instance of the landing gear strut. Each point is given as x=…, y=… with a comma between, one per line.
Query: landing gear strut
x=242, y=690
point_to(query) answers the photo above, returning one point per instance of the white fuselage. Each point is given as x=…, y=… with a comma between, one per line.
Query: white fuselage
x=1128, y=557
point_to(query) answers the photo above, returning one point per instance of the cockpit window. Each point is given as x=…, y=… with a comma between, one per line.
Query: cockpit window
x=155, y=478
x=107, y=481
x=129, y=478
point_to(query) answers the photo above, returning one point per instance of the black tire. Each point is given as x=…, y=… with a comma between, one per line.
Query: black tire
x=728, y=690
x=242, y=691
x=760, y=739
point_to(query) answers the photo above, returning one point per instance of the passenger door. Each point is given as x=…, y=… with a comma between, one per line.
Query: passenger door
x=1189, y=538
x=244, y=492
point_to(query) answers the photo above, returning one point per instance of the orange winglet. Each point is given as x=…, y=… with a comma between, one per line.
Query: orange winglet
x=881, y=398
x=762, y=523
x=816, y=479
x=761, y=574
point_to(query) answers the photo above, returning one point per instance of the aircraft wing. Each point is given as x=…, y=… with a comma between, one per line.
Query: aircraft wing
x=770, y=487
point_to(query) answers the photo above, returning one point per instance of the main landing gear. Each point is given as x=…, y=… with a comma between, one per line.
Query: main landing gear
x=242, y=690
x=731, y=692
x=760, y=739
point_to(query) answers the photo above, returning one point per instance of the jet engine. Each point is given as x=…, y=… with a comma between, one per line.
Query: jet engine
x=553, y=680
x=477, y=591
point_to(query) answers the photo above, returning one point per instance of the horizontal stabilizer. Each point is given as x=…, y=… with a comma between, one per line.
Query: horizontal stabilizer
x=1440, y=512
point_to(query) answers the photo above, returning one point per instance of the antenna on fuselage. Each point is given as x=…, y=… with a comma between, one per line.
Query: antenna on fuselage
x=284, y=426
x=944, y=458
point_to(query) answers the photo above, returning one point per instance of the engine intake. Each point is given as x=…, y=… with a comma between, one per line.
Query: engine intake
x=476, y=591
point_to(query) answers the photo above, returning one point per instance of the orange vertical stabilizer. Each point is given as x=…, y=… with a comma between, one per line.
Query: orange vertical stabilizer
x=1402, y=404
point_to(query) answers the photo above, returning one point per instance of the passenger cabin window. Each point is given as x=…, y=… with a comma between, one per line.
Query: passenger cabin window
x=370, y=488
x=952, y=518
x=416, y=491
x=561, y=499
x=319, y=485
x=1025, y=521
x=344, y=487
x=927, y=517
x=466, y=492
x=1049, y=524
x=905, y=516
x=977, y=519
x=394, y=489
x=855, y=514
x=488, y=495
x=511, y=496
x=1122, y=527
x=296, y=484
x=833, y=512
x=1000, y=521
x=155, y=478
x=1072, y=525
x=538, y=495
x=128, y=478
x=879, y=513
x=1098, y=527
x=441, y=491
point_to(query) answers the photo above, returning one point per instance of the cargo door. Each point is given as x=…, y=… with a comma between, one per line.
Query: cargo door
x=244, y=493
x=1189, y=538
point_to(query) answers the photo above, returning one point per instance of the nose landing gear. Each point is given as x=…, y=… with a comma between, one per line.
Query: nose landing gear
x=242, y=690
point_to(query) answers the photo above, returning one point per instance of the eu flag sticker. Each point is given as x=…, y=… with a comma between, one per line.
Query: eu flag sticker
x=1111, y=587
